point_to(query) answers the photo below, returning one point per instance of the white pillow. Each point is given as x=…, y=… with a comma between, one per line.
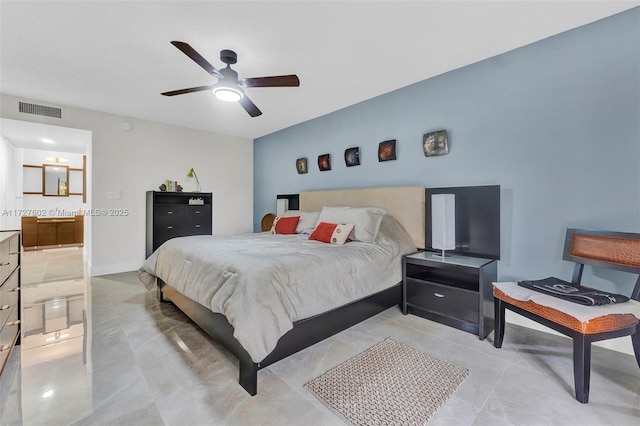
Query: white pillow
x=308, y=220
x=366, y=220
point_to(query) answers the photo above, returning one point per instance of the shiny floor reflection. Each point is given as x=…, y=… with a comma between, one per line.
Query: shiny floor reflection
x=102, y=350
x=55, y=357
x=55, y=360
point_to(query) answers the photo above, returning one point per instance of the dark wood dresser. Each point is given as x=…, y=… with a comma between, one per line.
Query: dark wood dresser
x=9, y=294
x=177, y=214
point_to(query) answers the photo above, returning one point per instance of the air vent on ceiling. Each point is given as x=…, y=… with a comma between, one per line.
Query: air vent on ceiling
x=47, y=111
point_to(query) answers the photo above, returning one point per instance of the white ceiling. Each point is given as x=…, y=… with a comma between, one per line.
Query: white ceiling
x=25, y=134
x=115, y=56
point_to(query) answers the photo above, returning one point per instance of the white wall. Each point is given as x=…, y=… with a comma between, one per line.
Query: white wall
x=135, y=161
x=9, y=201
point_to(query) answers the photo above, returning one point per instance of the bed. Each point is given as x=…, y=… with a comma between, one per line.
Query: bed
x=265, y=296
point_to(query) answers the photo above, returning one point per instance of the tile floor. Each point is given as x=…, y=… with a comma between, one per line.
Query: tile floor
x=52, y=265
x=102, y=350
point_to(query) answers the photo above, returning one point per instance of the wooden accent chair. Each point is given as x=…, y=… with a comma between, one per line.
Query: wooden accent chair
x=267, y=222
x=611, y=250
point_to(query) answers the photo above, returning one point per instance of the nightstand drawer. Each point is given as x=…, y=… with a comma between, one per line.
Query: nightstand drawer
x=444, y=300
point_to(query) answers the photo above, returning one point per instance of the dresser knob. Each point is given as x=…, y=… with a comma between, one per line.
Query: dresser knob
x=197, y=226
x=5, y=348
x=16, y=322
x=3, y=307
x=438, y=295
x=170, y=227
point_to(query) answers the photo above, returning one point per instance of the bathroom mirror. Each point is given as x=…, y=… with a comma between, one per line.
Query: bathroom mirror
x=55, y=180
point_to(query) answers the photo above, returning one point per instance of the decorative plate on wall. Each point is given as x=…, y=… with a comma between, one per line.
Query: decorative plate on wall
x=435, y=143
x=301, y=166
x=352, y=156
x=324, y=162
x=387, y=150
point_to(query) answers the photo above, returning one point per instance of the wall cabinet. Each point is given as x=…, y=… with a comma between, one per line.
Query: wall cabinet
x=456, y=290
x=177, y=214
x=9, y=294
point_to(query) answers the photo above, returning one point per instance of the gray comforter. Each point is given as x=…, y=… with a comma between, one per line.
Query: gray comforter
x=263, y=283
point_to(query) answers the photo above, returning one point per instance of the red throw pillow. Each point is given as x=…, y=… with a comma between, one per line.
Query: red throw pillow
x=287, y=225
x=323, y=232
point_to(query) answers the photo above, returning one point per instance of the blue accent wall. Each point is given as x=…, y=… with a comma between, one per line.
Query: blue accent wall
x=555, y=123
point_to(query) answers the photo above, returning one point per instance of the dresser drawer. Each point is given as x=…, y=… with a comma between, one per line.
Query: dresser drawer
x=14, y=252
x=9, y=331
x=5, y=268
x=444, y=300
x=165, y=231
x=189, y=229
x=9, y=293
x=4, y=354
x=197, y=214
x=168, y=212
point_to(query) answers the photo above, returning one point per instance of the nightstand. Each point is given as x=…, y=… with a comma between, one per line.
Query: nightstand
x=455, y=290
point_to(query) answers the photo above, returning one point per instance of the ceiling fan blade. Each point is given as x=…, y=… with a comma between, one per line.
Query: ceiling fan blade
x=290, y=80
x=189, y=90
x=249, y=106
x=196, y=57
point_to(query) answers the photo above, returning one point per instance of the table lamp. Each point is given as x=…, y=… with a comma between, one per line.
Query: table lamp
x=192, y=174
x=443, y=222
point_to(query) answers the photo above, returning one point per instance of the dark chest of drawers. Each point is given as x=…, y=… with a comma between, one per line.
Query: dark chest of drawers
x=177, y=214
x=9, y=294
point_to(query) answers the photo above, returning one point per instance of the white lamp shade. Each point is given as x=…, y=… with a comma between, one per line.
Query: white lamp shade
x=443, y=221
x=282, y=205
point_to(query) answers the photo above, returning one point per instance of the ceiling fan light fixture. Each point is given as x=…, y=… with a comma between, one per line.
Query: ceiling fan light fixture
x=229, y=88
x=227, y=92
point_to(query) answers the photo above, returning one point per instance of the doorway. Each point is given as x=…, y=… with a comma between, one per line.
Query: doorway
x=31, y=151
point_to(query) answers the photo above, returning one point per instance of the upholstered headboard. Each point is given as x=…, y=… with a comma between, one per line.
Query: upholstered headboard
x=405, y=203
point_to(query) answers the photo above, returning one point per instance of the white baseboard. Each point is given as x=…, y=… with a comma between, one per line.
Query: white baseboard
x=96, y=271
x=621, y=344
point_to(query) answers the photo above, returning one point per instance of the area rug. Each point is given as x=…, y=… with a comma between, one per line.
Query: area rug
x=390, y=383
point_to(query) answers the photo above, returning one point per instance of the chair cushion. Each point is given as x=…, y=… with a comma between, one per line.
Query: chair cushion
x=584, y=319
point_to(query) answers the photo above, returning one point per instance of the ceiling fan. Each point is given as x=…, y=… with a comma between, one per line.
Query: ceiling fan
x=229, y=88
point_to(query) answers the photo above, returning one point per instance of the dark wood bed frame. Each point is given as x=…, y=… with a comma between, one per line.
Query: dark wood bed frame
x=304, y=333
